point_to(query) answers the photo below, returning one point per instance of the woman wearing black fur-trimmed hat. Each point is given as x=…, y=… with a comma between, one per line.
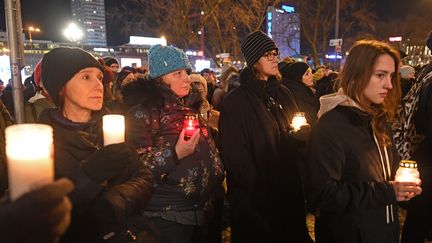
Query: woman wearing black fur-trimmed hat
x=111, y=186
x=260, y=151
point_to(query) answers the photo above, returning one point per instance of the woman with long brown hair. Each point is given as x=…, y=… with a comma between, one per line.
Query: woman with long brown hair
x=352, y=160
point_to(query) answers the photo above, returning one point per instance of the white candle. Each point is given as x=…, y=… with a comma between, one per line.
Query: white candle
x=113, y=129
x=298, y=120
x=29, y=152
x=407, y=172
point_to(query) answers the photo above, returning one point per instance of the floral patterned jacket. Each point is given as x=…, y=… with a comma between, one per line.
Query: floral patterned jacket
x=153, y=123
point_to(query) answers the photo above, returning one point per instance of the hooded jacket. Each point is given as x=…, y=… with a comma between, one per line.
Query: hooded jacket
x=261, y=161
x=349, y=174
x=154, y=121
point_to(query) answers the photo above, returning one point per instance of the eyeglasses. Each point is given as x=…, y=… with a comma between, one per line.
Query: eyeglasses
x=271, y=55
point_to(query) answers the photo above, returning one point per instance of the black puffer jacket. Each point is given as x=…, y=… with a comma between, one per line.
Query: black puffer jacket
x=154, y=122
x=353, y=199
x=96, y=206
x=264, y=184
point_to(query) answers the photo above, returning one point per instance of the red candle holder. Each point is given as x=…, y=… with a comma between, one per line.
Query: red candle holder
x=190, y=125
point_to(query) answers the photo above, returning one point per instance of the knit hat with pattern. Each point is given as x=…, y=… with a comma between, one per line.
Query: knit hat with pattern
x=166, y=59
x=255, y=45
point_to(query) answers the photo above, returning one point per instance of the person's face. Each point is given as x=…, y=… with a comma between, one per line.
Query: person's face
x=114, y=67
x=2, y=87
x=267, y=65
x=84, y=91
x=380, y=82
x=178, y=81
x=308, y=78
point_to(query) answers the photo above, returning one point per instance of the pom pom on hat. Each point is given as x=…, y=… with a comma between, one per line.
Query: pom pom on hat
x=60, y=65
x=166, y=59
x=255, y=45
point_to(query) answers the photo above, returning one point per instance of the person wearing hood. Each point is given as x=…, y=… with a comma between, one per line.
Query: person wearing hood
x=111, y=186
x=186, y=167
x=298, y=79
x=260, y=152
x=352, y=159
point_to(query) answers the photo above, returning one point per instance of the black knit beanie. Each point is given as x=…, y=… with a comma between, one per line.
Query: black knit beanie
x=296, y=71
x=255, y=45
x=60, y=65
x=110, y=60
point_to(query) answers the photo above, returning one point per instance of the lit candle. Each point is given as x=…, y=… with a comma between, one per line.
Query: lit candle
x=29, y=152
x=113, y=129
x=407, y=172
x=298, y=121
x=190, y=125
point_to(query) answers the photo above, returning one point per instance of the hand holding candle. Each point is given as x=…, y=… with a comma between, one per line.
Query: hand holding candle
x=29, y=151
x=298, y=121
x=408, y=172
x=113, y=129
x=190, y=125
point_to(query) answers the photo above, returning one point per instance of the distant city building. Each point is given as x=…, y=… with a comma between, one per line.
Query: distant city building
x=283, y=26
x=90, y=16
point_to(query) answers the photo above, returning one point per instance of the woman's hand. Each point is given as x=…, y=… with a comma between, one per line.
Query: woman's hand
x=185, y=148
x=405, y=191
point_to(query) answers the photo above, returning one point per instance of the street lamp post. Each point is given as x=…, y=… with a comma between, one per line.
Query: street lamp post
x=30, y=30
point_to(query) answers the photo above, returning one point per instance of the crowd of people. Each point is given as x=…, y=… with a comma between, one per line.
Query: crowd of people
x=167, y=184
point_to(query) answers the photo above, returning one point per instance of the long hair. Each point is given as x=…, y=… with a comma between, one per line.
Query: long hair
x=356, y=74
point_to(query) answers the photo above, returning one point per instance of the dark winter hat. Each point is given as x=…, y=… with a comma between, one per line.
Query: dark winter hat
x=255, y=45
x=429, y=41
x=284, y=67
x=296, y=71
x=166, y=59
x=110, y=60
x=61, y=64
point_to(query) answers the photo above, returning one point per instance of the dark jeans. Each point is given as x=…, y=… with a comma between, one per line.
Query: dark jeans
x=173, y=232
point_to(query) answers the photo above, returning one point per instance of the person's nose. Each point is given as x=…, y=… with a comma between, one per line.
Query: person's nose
x=388, y=82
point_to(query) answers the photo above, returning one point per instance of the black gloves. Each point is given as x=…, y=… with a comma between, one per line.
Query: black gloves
x=42, y=215
x=108, y=162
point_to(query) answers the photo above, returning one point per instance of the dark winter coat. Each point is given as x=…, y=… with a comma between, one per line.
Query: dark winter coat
x=154, y=122
x=73, y=144
x=264, y=184
x=305, y=99
x=353, y=200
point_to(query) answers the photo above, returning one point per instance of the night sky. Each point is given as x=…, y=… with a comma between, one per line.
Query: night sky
x=51, y=16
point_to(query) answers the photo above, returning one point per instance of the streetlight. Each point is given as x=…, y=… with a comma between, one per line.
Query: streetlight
x=30, y=30
x=73, y=33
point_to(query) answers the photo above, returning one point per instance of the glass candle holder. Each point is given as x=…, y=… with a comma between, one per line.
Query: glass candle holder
x=407, y=172
x=113, y=129
x=190, y=125
x=29, y=152
x=298, y=121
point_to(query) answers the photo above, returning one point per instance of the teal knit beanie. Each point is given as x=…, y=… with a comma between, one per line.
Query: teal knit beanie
x=166, y=59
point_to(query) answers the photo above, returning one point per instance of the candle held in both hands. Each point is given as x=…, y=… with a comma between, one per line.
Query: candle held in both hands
x=29, y=152
x=298, y=121
x=113, y=129
x=407, y=172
